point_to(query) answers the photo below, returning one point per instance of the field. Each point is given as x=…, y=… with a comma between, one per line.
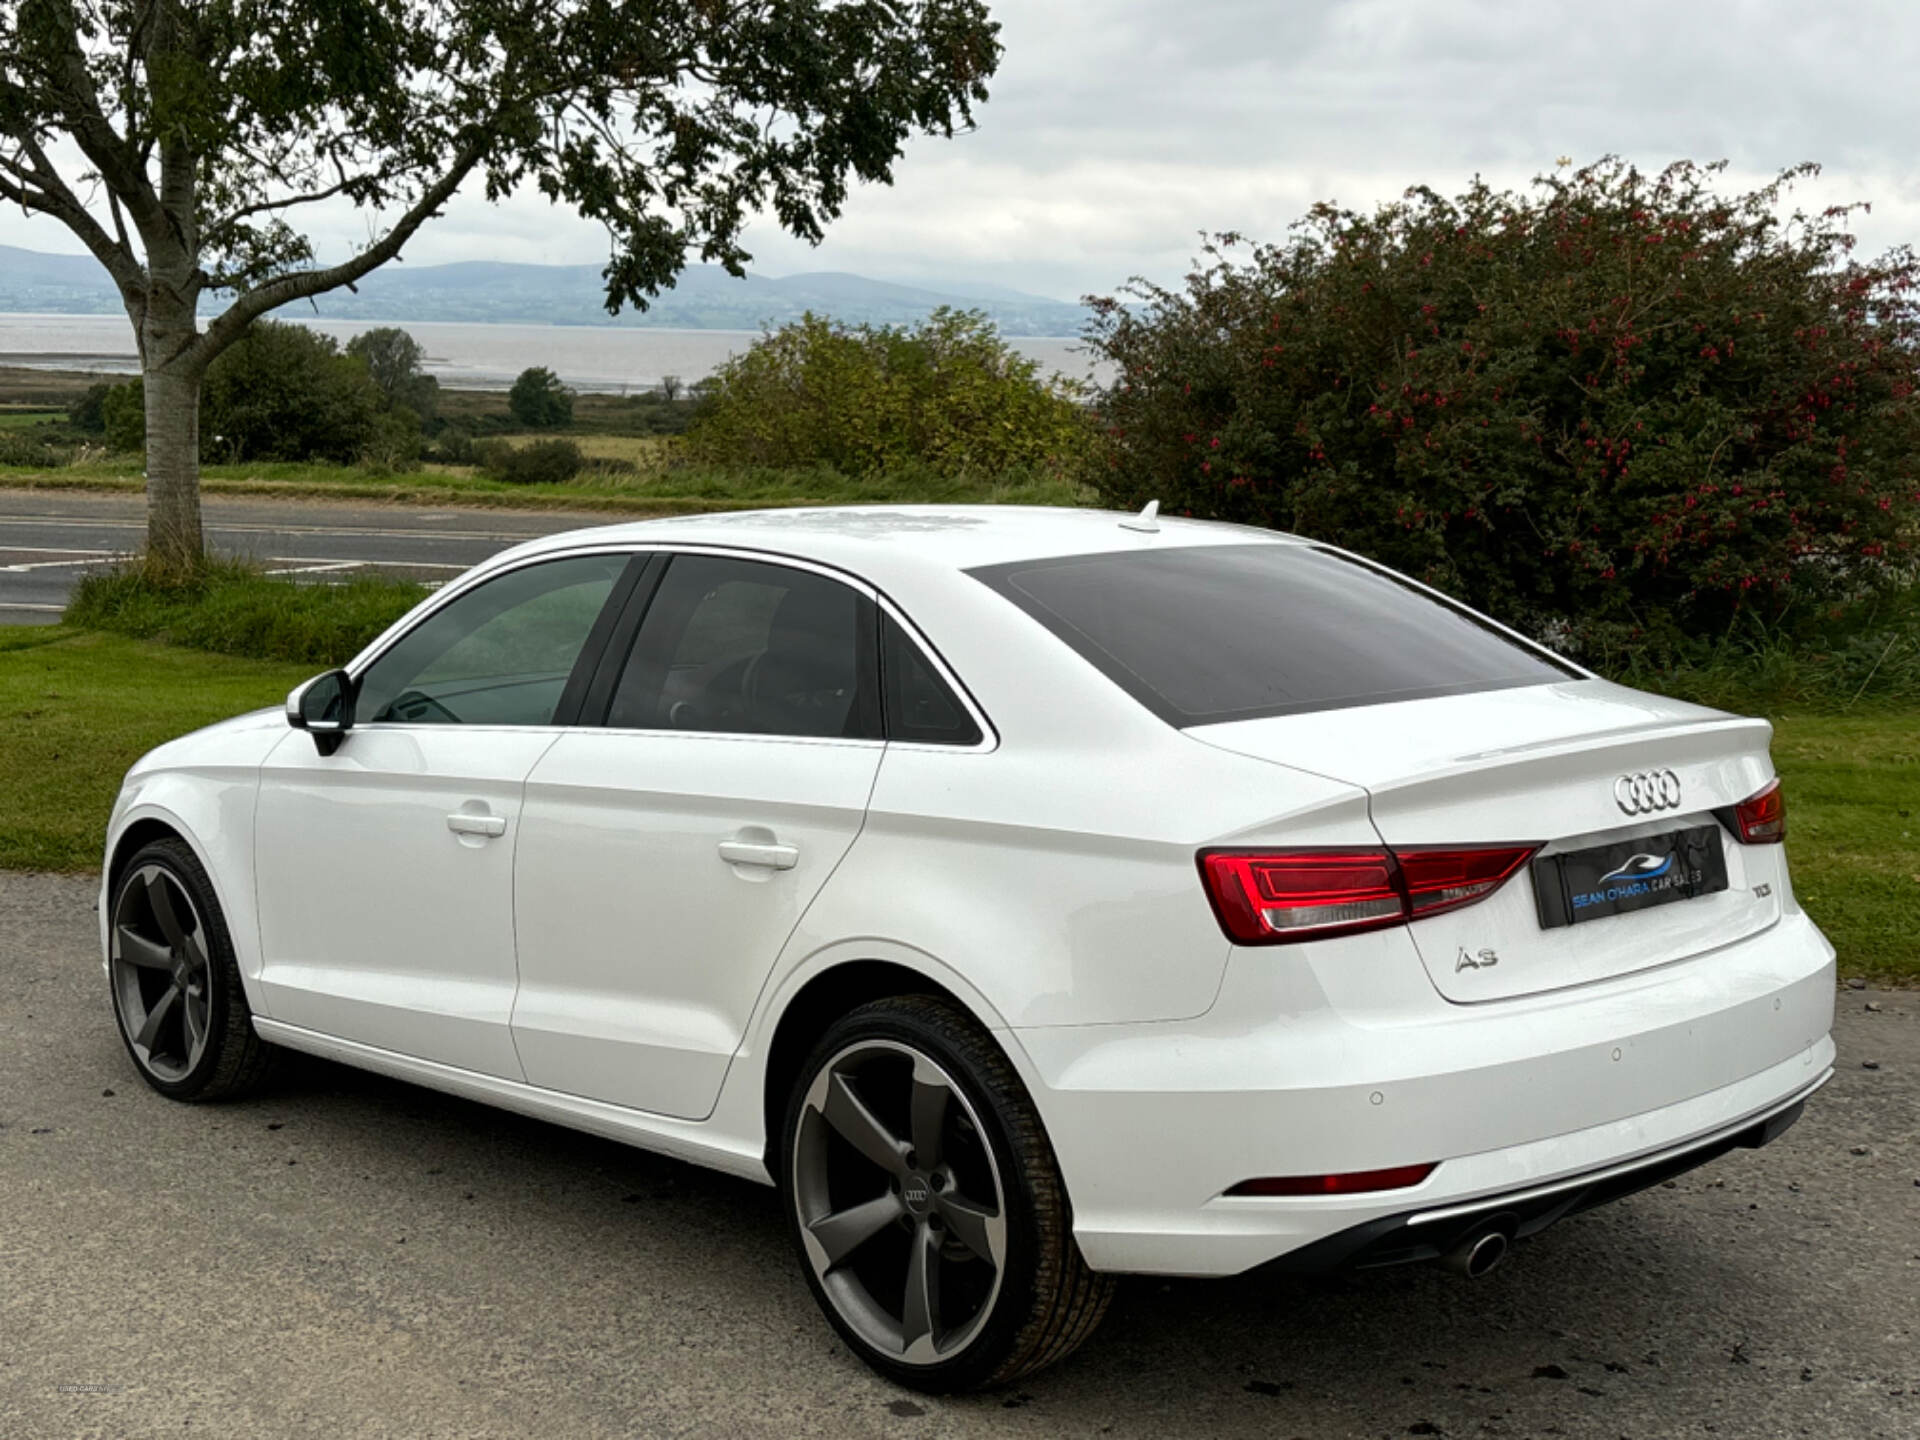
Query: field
x=76, y=708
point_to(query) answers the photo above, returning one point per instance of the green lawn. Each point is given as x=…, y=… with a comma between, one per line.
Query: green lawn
x=76, y=708
x=1853, y=833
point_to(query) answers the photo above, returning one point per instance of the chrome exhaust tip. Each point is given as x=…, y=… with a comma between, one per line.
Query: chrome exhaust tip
x=1478, y=1255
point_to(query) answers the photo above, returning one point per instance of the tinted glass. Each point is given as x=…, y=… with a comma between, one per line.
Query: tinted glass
x=498, y=655
x=1235, y=632
x=920, y=706
x=750, y=648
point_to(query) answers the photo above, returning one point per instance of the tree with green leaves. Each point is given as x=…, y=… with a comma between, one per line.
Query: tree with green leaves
x=538, y=400
x=395, y=362
x=209, y=127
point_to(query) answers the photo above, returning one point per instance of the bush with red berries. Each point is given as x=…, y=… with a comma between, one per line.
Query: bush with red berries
x=1615, y=409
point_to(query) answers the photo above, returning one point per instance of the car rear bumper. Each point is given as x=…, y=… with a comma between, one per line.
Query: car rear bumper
x=1293, y=1072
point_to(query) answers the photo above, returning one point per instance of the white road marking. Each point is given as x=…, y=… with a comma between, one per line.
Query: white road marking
x=322, y=567
x=54, y=564
x=215, y=524
x=22, y=605
x=304, y=564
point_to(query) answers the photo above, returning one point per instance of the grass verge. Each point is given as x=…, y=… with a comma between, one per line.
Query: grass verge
x=77, y=708
x=232, y=610
x=660, y=490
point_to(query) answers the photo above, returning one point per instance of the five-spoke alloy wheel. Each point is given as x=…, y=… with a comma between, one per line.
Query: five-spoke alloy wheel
x=176, y=989
x=927, y=1205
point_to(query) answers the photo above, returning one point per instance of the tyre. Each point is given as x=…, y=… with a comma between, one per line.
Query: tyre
x=176, y=987
x=926, y=1204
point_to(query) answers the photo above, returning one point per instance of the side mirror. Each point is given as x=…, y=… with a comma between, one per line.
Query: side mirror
x=323, y=707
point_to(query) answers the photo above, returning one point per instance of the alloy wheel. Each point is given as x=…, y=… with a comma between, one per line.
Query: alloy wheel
x=901, y=1206
x=161, y=972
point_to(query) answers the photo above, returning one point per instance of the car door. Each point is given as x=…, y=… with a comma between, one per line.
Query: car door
x=666, y=856
x=385, y=868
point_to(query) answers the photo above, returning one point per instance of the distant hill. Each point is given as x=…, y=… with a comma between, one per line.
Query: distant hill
x=489, y=292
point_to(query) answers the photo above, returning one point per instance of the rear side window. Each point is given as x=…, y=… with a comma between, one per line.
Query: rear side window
x=1237, y=632
x=748, y=648
x=920, y=706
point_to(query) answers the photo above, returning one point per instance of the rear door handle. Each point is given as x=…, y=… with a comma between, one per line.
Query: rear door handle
x=748, y=852
x=462, y=822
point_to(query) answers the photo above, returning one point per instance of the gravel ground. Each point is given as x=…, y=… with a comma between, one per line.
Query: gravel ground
x=353, y=1256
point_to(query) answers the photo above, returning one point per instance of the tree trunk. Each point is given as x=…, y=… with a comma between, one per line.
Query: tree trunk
x=173, y=468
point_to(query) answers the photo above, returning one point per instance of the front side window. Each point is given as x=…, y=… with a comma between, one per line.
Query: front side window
x=745, y=647
x=501, y=654
x=1204, y=634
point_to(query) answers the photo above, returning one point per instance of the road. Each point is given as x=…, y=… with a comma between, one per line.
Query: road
x=48, y=540
x=348, y=1255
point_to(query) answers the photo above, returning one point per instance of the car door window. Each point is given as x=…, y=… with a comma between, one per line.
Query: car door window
x=747, y=647
x=500, y=654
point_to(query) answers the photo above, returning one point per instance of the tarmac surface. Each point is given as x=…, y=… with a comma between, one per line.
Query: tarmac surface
x=49, y=539
x=352, y=1256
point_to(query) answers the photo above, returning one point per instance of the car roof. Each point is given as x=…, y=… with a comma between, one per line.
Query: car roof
x=884, y=541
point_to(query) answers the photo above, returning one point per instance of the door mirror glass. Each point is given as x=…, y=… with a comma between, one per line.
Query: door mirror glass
x=324, y=708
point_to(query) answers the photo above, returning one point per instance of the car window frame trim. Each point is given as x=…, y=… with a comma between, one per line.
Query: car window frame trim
x=638, y=600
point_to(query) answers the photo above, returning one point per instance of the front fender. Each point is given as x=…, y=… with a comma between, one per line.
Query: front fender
x=211, y=809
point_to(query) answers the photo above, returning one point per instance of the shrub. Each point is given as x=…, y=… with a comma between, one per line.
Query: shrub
x=539, y=401
x=17, y=448
x=394, y=445
x=87, y=414
x=1615, y=409
x=544, y=462
x=285, y=392
x=230, y=608
x=453, y=446
x=948, y=392
x=123, y=414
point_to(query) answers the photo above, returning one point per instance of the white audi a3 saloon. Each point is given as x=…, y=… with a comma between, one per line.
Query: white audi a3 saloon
x=1033, y=896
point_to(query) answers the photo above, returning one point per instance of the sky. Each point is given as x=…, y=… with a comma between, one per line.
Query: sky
x=1118, y=130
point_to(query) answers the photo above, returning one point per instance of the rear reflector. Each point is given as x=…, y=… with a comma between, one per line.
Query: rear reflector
x=1278, y=898
x=1762, y=819
x=1358, y=1182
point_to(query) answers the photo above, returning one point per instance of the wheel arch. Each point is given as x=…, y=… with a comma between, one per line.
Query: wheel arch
x=831, y=991
x=140, y=834
x=151, y=820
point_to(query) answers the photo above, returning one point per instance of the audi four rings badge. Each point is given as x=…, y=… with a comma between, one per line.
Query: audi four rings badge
x=1647, y=791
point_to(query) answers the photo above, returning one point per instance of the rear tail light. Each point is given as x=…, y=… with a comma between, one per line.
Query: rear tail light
x=1277, y=898
x=1356, y=1182
x=1762, y=819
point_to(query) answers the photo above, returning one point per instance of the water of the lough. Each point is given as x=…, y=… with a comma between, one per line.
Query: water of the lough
x=614, y=359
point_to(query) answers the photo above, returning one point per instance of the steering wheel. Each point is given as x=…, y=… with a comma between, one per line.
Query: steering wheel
x=416, y=705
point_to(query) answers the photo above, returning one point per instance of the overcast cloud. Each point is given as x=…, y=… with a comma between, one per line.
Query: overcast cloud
x=1120, y=128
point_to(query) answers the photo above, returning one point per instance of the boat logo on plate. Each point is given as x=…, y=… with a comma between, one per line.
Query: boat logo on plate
x=1640, y=867
x=1646, y=791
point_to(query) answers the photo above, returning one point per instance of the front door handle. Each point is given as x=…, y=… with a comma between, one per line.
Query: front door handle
x=748, y=852
x=463, y=822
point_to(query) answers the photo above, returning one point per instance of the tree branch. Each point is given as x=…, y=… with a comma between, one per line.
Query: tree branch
x=248, y=307
x=37, y=186
x=100, y=142
x=233, y=217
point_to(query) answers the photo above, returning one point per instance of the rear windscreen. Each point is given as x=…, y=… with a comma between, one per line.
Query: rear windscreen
x=1234, y=632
